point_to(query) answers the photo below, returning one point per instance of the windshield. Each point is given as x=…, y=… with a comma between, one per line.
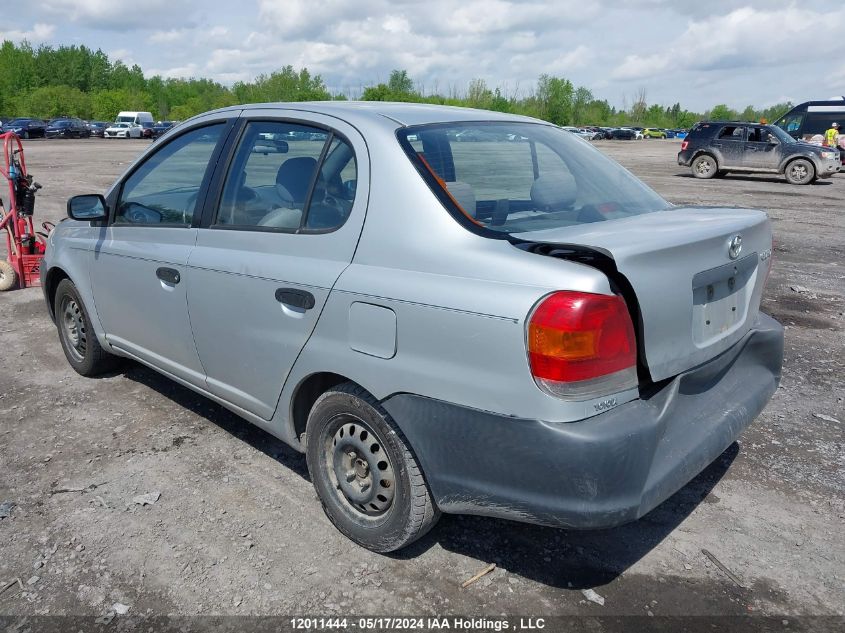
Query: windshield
x=515, y=177
x=19, y=122
x=125, y=119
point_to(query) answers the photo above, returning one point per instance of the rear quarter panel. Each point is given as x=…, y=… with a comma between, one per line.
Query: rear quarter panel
x=461, y=302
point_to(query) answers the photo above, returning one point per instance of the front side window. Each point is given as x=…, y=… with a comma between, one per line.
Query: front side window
x=164, y=189
x=288, y=177
x=519, y=177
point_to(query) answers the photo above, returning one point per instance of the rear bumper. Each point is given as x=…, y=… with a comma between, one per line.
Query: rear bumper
x=604, y=471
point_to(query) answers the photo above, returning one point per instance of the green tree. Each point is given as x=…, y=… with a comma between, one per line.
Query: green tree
x=55, y=101
x=400, y=83
x=721, y=112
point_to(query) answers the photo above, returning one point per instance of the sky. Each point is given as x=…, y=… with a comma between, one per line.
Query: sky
x=696, y=52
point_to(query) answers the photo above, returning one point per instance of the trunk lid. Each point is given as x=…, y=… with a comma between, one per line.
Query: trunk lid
x=696, y=300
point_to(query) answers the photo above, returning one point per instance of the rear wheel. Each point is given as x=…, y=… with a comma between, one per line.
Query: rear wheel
x=79, y=342
x=368, y=480
x=704, y=166
x=7, y=276
x=800, y=172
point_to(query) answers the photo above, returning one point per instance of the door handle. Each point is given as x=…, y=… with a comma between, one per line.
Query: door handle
x=168, y=275
x=301, y=299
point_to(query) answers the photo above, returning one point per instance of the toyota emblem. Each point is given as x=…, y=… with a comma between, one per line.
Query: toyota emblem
x=735, y=247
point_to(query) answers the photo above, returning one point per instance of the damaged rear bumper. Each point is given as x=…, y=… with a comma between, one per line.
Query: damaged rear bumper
x=610, y=469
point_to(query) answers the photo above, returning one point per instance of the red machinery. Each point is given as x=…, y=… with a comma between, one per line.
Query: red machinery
x=25, y=246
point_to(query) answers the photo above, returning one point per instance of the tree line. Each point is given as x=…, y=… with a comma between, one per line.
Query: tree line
x=78, y=81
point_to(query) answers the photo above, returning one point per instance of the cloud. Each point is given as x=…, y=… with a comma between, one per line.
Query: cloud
x=742, y=39
x=38, y=33
x=121, y=15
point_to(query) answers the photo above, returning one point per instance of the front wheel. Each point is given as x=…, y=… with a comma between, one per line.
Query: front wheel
x=368, y=479
x=800, y=172
x=79, y=342
x=704, y=167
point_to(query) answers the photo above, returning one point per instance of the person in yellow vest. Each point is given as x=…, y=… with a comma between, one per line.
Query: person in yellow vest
x=831, y=136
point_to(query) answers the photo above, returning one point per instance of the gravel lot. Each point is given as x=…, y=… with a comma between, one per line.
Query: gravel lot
x=238, y=528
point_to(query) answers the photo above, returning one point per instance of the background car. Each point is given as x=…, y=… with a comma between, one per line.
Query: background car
x=623, y=134
x=122, y=130
x=147, y=129
x=714, y=148
x=26, y=128
x=653, y=132
x=580, y=132
x=547, y=302
x=161, y=127
x=97, y=128
x=67, y=128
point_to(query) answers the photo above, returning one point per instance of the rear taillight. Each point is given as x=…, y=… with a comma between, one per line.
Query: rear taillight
x=582, y=345
x=684, y=145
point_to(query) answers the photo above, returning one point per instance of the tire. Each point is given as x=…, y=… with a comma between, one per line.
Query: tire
x=8, y=277
x=79, y=343
x=349, y=432
x=704, y=166
x=800, y=172
x=25, y=135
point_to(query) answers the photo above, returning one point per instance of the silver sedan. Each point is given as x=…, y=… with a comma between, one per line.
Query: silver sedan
x=446, y=310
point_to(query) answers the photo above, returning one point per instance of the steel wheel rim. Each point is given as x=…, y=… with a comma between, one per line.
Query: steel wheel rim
x=703, y=166
x=73, y=328
x=359, y=468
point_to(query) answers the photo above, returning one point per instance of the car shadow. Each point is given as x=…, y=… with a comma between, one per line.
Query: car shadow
x=552, y=556
x=565, y=558
x=753, y=178
x=233, y=424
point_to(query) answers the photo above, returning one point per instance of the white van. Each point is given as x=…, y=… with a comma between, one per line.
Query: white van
x=134, y=118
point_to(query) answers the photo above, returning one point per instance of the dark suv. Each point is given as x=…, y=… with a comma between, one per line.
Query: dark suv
x=713, y=148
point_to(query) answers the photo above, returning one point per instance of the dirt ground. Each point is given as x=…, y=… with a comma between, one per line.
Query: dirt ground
x=237, y=528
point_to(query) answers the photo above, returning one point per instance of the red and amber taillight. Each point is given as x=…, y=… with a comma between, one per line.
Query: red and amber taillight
x=582, y=345
x=684, y=144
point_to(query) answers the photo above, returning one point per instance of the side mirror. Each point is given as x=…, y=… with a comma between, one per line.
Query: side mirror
x=87, y=208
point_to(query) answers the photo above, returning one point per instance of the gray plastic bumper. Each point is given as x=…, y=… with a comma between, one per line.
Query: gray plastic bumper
x=604, y=471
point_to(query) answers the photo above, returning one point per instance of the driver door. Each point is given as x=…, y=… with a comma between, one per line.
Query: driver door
x=762, y=149
x=139, y=264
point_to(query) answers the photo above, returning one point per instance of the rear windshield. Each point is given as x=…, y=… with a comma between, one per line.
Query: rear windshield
x=514, y=177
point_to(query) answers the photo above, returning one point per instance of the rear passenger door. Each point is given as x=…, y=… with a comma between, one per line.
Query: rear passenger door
x=281, y=227
x=729, y=145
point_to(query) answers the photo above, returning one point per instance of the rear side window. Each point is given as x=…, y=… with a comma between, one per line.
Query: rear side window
x=288, y=177
x=732, y=133
x=514, y=177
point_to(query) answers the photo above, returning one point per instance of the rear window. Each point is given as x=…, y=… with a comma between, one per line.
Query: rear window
x=519, y=177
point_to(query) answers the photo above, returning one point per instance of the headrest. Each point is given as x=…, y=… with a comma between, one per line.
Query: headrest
x=295, y=175
x=554, y=192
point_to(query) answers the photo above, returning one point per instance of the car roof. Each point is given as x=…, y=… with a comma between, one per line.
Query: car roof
x=403, y=114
